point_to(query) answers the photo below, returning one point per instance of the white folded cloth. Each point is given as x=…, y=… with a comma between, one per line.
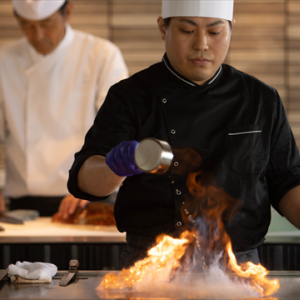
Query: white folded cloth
x=36, y=270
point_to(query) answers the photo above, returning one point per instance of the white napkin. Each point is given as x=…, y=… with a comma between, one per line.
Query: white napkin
x=36, y=270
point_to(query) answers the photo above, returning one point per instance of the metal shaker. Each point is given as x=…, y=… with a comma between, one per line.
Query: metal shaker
x=153, y=156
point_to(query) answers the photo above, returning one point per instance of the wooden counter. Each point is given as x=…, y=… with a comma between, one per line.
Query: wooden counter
x=42, y=230
x=96, y=247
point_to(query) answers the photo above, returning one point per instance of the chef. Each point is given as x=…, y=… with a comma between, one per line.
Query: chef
x=52, y=83
x=191, y=99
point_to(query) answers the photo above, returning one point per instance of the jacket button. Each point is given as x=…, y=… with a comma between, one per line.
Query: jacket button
x=178, y=223
x=176, y=163
x=173, y=131
x=178, y=192
x=164, y=100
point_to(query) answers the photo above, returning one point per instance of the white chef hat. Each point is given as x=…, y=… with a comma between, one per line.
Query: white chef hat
x=221, y=9
x=36, y=9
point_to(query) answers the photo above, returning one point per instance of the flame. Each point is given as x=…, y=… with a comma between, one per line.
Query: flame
x=256, y=273
x=202, y=244
x=164, y=259
x=161, y=260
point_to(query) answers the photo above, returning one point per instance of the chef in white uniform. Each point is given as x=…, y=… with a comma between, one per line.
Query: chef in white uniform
x=52, y=83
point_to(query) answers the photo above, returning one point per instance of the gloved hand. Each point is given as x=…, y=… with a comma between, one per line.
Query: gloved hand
x=120, y=159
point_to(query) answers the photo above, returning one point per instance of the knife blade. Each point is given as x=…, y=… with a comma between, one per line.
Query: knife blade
x=11, y=220
x=73, y=265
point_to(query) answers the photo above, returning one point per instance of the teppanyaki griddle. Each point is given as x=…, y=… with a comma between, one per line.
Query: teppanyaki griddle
x=86, y=282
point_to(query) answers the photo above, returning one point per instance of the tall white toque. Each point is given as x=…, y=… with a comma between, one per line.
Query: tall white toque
x=220, y=9
x=36, y=9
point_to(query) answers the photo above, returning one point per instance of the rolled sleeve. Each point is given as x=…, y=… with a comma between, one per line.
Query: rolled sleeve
x=73, y=176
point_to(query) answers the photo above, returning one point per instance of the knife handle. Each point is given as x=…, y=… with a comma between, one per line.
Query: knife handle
x=73, y=264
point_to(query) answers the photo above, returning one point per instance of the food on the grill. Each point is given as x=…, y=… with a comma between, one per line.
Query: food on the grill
x=95, y=213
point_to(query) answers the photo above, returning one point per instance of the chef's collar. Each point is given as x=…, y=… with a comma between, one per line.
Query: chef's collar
x=67, y=39
x=182, y=78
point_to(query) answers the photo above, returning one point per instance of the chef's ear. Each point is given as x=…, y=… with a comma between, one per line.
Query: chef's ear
x=69, y=10
x=162, y=27
x=233, y=22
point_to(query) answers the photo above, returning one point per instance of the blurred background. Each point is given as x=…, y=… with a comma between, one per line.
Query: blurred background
x=265, y=43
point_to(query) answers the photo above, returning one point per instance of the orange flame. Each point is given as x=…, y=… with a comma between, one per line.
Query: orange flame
x=256, y=273
x=164, y=258
x=205, y=207
x=161, y=260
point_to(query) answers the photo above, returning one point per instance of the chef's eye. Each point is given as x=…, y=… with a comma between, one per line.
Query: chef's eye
x=46, y=24
x=25, y=25
x=187, y=31
x=215, y=32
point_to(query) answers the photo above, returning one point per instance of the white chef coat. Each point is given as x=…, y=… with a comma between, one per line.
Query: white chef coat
x=47, y=104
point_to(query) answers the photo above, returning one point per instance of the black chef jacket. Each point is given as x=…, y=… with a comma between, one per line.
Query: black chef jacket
x=235, y=122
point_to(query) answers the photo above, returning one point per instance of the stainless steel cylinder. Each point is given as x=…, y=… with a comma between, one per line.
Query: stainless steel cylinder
x=153, y=156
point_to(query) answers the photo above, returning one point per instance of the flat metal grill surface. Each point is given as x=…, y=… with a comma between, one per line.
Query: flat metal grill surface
x=85, y=284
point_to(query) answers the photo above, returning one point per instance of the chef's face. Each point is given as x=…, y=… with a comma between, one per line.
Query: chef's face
x=45, y=35
x=196, y=46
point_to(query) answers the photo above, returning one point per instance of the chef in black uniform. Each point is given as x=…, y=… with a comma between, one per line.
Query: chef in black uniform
x=236, y=123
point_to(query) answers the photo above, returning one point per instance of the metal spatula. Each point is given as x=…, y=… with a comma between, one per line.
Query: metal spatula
x=73, y=265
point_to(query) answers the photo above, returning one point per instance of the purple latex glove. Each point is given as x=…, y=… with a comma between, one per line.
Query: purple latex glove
x=120, y=159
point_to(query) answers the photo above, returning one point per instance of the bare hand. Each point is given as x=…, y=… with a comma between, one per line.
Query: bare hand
x=69, y=204
x=2, y=203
